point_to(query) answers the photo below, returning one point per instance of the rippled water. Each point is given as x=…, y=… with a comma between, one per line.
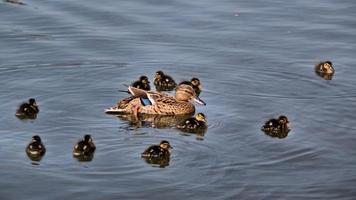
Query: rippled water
x=255, y=60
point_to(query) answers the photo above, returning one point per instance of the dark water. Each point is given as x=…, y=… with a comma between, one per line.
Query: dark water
x=255, y=60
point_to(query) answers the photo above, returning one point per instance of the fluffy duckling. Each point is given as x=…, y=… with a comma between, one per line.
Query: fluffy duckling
x=35, y=148
x=324, y=67
x=29, y=109
x=85, y=147
x=195, y=83
x=198, y=122
x=276, y=125
x=155, y=151
x=142, y=83
x=164, y=82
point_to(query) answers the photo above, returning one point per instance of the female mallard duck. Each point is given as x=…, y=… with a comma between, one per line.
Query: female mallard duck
x=164, y=82
x=161, y=150
x=142, y=83
x=276, y=125
x=35, y=148
x=147, y=102
x=195, y=83
x=198, y=122
x=85, y=147
x=29, y=109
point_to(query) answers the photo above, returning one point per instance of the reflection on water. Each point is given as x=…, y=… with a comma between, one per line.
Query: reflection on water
x=84, y=157
x=162, y=161
x=154, y=121
x=323, y=75
x=281, y=133
x=34, y=157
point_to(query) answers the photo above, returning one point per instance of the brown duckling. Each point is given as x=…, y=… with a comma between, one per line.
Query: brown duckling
x=325, y=67
x=28, y=110
x=164, y=82
x=35, y=148
x=279, y=125
x=161, y=150
x=84, y=147
x=193, y=124
x=142, y=83
x=195, y=83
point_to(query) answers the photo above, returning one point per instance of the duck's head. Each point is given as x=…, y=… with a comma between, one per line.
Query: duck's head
x=196, y=82
x=283, y=119
x=32, y=102
x=36, y=138
x=165, y=145
x=187, y=93
x=159, y=75
x=144, y=79
x=328, y=67
x=200, y=117
x=87, y=138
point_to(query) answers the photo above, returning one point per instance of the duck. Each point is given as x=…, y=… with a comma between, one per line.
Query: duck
x=325, y=67
x=195, y=83
x=142, y=83
x=28, y=109
x=161, y=150
x=84, y=147
x=276, y=125
x=35, y=148
x=198, y=122
x=164, y=82
x=148, y=102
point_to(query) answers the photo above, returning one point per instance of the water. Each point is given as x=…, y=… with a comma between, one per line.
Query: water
x=255, y=60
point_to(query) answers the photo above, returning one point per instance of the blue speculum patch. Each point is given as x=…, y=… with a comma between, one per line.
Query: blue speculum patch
x=145, y=101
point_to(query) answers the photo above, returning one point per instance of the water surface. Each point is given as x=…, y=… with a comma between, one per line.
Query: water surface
x=255, y=60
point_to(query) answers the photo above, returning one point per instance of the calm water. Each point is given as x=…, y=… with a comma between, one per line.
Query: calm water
x=255, y=60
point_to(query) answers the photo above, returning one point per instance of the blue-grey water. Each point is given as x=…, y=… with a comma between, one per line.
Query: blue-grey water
x=255, y=60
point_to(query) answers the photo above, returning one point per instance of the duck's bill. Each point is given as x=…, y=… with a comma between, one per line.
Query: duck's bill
x=199, y=101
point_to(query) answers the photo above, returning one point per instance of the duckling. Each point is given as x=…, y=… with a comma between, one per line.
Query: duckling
x=29, y=109
x=85, y=147
x=142, y=83
x=164, y=82
x=195, y=83
x=198, y=122
x=35, y=148
x=324, y=67
x=276, y=125
x=155, y=151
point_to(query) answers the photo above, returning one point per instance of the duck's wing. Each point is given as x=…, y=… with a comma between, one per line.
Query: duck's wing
x=138, y=92
x=153, y=97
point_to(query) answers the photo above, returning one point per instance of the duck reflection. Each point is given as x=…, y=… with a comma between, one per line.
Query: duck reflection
x=277, y=128
x=161, y=162
x=325, y=76
x=155, y=121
